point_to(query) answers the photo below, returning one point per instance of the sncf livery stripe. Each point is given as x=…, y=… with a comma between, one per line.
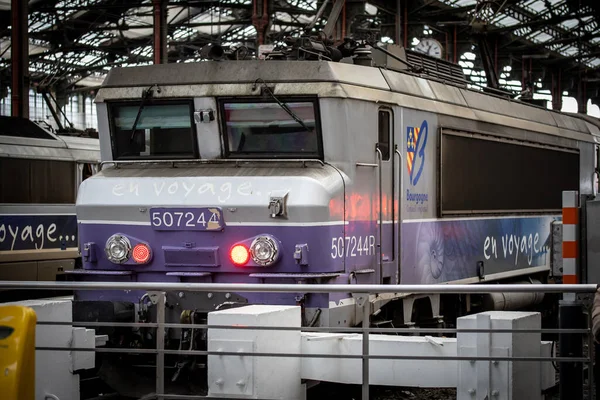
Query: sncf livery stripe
x=144, y=223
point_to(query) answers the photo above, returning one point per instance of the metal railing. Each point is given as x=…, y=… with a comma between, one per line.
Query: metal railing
x=360, y=293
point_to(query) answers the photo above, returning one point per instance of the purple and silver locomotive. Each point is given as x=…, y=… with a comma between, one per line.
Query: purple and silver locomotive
x=321, y=171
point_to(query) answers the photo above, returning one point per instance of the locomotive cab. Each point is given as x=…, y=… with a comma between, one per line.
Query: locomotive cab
x=244, y=183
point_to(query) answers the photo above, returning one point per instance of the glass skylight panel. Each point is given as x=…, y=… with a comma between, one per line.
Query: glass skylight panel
x=211, y=15
x=143, y=51
x=534, y=37
x=569, y=50
x=239, y=34
x=523, y=31
x=504, y=20
x=462, y=3
x=90, y=59
x=570, y=23
x=543, y=37
x=67, y=8
x=283, y=16
x=183, y=32
x=92, y=38
x=230, y=2
x=536, y=5
x=37, y=26
x=306, y=4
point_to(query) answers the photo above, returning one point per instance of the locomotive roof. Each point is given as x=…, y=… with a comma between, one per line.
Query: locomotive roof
x=212, y=72
x=447, y=99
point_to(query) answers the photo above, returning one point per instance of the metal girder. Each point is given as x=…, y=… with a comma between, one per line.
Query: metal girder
x=160, y=31
x=540, y=22
x=19, y=56
x=526, y=16
x=562, y=41
x=260, y=19
x=488, y=62
x=446, y=11
x=333, y=17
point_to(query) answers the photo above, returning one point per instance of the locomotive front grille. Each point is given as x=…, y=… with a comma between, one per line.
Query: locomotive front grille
x=191, y=256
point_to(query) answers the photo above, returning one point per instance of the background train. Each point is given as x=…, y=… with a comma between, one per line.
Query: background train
x=40, y=173
x=362, y=170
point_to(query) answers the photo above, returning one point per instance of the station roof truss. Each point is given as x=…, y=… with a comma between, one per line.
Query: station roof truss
x=534, y=38
x=73, y=43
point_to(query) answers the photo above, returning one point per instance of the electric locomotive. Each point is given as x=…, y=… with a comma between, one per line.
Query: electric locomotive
x=320, y=165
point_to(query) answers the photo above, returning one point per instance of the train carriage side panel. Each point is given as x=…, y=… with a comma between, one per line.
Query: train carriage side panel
x=508, y=242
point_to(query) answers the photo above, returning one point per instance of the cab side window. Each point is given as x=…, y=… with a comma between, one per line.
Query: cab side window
x=384, y=126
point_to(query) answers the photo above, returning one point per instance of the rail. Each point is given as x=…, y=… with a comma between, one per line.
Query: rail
x=360, y=293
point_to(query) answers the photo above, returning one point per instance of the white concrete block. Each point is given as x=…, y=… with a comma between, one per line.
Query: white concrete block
x=255, y=377
x=83, y=338
x=504, y=379
x=546, y=368
x=412, y=373
x=101, y=340
x=53, y=368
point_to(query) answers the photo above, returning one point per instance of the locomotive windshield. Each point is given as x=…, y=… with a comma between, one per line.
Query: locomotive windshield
x=162, y=131
x=266, y=129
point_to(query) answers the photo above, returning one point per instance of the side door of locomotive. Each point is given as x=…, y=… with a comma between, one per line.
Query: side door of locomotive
x=388, y=198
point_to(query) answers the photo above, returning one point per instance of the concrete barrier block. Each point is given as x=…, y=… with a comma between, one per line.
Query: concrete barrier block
x=546, y=368
x=254, y=377
x=399, y=372
x=83, y=338
x=499, y=379
x=54, y=368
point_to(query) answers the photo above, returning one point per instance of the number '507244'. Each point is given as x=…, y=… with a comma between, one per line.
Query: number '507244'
x=352, y=246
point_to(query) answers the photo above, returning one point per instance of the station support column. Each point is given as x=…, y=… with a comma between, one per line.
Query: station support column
x=260, y=19
x=20, y=59
x=556, y=91
x=570, y=312
x=160, y=31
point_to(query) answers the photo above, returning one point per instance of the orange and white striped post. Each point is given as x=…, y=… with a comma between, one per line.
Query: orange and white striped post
x=570, y=248
x=570, y=311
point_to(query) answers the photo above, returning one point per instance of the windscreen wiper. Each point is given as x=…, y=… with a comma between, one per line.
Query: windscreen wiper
x=283, y=105
x=146, y=94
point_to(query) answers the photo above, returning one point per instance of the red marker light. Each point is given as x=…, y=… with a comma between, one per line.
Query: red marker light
x=141, y=253
x=239, y=254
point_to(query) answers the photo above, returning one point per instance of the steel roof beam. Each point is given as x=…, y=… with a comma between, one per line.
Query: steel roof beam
x=539, y=22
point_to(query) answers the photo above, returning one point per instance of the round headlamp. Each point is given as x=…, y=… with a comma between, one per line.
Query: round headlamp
x=264, y=250
x=118, y=249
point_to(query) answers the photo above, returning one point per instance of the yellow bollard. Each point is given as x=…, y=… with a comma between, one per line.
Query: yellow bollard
x=17, y=352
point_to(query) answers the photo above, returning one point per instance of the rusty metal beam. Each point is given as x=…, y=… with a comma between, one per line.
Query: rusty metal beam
x=260, y=19
x=556, y=91
x=160, y=31
x=19, y=58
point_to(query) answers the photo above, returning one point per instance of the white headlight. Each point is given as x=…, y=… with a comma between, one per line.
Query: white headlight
x=117, y=249
x=264, y=250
